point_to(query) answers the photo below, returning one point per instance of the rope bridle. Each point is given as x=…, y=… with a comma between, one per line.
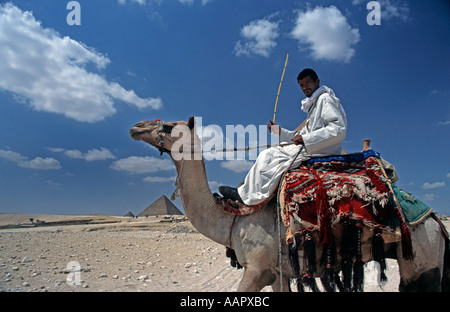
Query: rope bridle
x=162, y=132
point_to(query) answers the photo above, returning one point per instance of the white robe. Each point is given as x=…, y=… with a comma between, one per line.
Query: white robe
x=323, y=134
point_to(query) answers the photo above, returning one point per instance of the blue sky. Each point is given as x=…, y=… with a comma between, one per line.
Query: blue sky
x=70, y=93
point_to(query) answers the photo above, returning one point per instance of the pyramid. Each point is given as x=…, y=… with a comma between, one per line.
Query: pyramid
x=161, y=206
x=129, y=214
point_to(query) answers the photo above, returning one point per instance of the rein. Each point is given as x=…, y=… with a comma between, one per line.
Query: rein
x=161, y=133
x=247, y=148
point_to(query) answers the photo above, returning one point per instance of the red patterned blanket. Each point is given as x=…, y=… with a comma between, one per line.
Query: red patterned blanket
x=316, y=195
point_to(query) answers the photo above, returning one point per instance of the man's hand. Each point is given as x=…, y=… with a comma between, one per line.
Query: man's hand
x=273, y=127
x=297, y=139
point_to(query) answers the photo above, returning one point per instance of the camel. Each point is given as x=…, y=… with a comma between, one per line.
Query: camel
x=258, y=239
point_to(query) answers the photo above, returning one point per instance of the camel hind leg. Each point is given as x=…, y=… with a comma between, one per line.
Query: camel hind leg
x=445, y=286
x=445, y=281
x=425, y=272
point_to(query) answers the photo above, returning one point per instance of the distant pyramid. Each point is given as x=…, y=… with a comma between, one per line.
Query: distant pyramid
x=161, y=206
x=129, y=214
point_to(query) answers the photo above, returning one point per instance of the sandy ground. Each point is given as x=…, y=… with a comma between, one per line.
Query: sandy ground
x=109, y=254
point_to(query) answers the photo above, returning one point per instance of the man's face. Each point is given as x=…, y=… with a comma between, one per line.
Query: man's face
x=308, y=85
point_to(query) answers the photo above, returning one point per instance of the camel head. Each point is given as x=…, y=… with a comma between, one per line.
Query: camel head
x=165, y=136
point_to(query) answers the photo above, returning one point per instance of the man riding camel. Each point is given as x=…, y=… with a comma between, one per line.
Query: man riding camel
x=322, y=135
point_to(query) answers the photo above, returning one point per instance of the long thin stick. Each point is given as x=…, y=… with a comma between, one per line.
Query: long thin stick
x=279, y=88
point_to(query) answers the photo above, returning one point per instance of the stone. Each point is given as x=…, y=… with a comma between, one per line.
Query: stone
x=26, y=260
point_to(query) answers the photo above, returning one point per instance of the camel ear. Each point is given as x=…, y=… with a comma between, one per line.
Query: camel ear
x=191, y=122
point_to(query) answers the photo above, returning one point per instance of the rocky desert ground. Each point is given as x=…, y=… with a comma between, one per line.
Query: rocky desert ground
x=44, y=253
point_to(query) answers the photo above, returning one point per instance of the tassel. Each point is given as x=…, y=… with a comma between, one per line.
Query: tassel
x=347, y=272
x=406, y=243
x=406, y=234
x=325, y=235
x=348, y=251
x=328, y=279
x=378, y=253
x=300, y=287
x=310, y=281
x=338, y=282
x=293, y=258
x=310, y=257
x=358, y=276
x=329, y=282
x=295, y=264
x=310, y=253
x=323, y=213
x=358, y=268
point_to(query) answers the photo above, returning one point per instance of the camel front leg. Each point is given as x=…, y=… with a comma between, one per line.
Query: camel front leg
x=255, y=280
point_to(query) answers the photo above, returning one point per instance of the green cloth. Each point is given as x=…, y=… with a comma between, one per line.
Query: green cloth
x=413, y=209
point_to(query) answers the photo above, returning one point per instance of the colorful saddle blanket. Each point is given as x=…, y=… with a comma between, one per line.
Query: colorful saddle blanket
x=323, y=190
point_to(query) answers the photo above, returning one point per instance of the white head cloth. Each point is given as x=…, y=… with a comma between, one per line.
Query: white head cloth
x=309, y=101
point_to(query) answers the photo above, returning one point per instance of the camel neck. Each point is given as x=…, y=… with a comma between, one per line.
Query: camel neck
x=199, y=203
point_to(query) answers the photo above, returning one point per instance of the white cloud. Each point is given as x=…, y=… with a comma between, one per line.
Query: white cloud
x=237, y=165
x=443, y=123
x=434, y=185
x=52, y=183
x=390, y=9
x=159, y=179
x=141, y=2
x=326, y=33
x=428, y=197
x=136, y=165
x=38, y=163
x=91, y=155
x=258, y=37
x=190, y=2
x=50, y=72
x=448, y=175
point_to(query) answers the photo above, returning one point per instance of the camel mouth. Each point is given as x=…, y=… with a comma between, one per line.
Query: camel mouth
x=135, y=133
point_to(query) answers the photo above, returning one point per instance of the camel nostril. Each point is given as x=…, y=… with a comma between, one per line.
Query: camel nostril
x=134, y=132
